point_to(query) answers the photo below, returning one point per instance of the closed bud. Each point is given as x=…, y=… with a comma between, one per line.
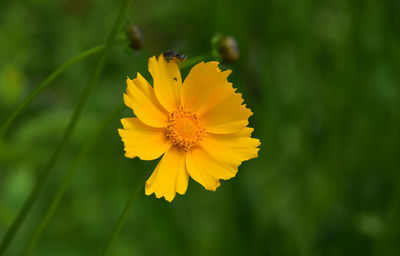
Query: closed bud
x=135, y=37
x=228, y=49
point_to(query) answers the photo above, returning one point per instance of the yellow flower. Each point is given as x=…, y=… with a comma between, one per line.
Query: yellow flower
x=199, y=126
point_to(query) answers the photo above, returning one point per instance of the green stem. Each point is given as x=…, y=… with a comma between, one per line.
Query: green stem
x=56, y=73
x=124, y=215
x=191, y=61
x=67, y=133
x=66, y=181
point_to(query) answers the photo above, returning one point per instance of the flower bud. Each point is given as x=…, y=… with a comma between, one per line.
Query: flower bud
x=228, y=49
x=135, y=37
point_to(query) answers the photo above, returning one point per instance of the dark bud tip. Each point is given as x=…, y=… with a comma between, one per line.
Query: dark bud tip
x=228, y=49
x=135, y=37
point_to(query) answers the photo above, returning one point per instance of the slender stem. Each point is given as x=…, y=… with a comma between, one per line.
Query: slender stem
x=40, y=87
x=124, y=215
x=67, y=133
x=66, y=181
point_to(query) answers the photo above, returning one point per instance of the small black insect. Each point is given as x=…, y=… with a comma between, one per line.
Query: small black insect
x=172, y=55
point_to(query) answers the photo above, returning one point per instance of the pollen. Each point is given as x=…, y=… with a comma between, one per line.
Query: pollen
x=184, y=129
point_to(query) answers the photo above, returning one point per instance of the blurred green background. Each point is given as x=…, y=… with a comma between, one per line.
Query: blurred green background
x=322, y=78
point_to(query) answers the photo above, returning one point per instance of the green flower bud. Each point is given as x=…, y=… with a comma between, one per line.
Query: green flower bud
x=135, y=37
x=228, y=49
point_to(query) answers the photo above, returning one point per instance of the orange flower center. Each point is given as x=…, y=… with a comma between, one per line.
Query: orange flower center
x=184, y=129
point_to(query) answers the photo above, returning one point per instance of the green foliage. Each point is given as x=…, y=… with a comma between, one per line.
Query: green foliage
x=322, y=78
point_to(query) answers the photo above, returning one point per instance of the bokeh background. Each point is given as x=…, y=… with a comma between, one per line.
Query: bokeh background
x=322, y=78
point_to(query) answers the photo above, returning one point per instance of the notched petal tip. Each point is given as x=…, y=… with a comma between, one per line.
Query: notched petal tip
x=126, y=152
x=226, y=72
x=152, y=58
x=161, y=58
x=168, y=198
x=169, y=177
x=139, y=76
x=212, y=188
x=250, y=130
x=127, y=155
x=149, y=192
x=250, y=112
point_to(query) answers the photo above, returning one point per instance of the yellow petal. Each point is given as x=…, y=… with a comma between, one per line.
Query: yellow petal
x=207, y=92
x=206, y=170
x=219, y=156
x=229, y=116
x=170, y=176
x=141, y=99
x=143, y=141
x=231, y=149
x=205, y=87
x=167, y=82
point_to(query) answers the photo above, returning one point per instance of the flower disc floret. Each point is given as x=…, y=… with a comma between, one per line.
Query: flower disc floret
x=184, y=129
